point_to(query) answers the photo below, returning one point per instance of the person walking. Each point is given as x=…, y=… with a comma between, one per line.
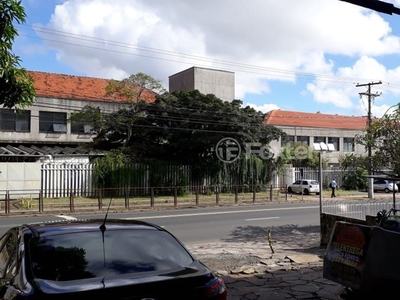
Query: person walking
x=333, y=186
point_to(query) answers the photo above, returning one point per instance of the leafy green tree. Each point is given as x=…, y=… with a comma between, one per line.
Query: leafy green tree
x=299, y=155
x=187, y=126
x=383, y=137
x=354, y=170
x=16, y=86
x=184, y=127
x=133, y=87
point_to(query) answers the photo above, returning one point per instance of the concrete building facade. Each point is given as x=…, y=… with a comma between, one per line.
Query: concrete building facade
x=207, y=81
x=310, y=128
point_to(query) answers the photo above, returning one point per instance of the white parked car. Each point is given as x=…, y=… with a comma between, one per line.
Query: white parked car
x=384, y=185
x=305, y=186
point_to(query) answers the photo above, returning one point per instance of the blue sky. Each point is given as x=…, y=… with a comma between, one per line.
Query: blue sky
x=304, y=55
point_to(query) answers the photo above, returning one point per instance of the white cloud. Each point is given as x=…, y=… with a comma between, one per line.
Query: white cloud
x=261, y=42
x=263, y=108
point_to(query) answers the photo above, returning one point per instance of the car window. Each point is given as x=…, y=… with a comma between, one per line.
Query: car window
x=305, y=182
x=8, y=255
x=314, y=182
x=81, y=255
x=297, y=182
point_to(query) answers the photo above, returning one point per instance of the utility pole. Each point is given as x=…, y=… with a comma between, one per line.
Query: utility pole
x=370, y=97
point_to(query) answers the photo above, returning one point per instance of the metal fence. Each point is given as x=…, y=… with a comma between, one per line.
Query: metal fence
x=356, y=209
x=15, y=202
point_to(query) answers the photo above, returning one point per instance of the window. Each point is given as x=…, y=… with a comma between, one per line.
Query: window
x=319, y=139
x=348, y=144
x=287, y=140
x=64, y=257
x=303, y=140
x=80, y=127
x=52, y=122
x=335, y=142
x=15, y=121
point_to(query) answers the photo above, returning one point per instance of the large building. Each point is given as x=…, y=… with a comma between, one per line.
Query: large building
x=310, y=128
x=45, y=127
x=207, y=81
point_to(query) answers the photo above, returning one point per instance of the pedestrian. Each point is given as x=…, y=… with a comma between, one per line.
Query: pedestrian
x=333, y=185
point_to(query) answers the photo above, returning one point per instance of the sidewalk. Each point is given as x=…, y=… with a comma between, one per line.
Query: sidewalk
x=252, y=272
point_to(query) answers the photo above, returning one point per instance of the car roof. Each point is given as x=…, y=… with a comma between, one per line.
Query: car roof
x=80, y=225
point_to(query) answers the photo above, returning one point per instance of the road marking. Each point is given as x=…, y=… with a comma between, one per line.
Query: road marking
x=219, y=213
x=262, y=219
x=66, y=217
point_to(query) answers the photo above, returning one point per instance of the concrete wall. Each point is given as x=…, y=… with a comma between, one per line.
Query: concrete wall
x=207, y=81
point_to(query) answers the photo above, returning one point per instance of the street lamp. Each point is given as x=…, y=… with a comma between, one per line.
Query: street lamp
x=321, y=147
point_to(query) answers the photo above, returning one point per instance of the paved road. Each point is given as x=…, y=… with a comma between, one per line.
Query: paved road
x=212, y=224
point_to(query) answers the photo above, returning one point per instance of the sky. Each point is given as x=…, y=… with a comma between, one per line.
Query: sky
x=306, y=56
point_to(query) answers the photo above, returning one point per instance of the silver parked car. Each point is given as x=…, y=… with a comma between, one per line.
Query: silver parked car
x=305, y=186
x=384, y=185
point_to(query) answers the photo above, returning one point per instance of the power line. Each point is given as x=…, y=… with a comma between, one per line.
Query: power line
x=248, y=68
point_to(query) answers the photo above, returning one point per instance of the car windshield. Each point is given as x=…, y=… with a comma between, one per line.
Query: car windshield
x=314, y=182
x=81, y=255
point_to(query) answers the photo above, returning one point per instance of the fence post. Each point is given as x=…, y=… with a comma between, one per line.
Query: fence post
x=175, y=196
x=7, y=202
x=286, y=192
x=197, y=195
x=217, y=195
x=99, y=198
x=151, y=197
x=254, y=194
x=41, y=201
x=71, y=201
x=127, y=197
x=236, y=194
x=270, y=193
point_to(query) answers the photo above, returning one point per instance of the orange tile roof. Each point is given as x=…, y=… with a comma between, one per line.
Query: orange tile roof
x=315, y=120
x=61, y=86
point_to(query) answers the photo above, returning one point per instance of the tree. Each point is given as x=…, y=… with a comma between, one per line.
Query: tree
x=184, y=128
x=354, y=169
x=383, y=137
x=299, y=155
x=132, y=88
x=16, y=86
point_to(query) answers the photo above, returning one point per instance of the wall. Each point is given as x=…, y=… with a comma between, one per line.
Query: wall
x=207, y=81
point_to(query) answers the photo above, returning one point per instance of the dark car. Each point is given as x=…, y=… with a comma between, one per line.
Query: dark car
x=97, y=259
